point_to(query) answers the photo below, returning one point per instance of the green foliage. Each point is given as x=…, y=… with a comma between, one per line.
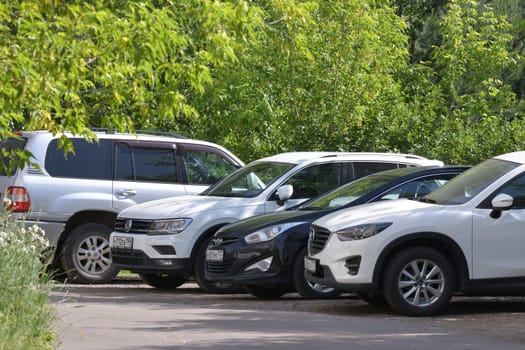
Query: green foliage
x=26, y=319
x=438, y=78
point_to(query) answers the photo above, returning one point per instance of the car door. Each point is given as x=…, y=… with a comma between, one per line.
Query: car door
x=145, y=171
x=499, y=243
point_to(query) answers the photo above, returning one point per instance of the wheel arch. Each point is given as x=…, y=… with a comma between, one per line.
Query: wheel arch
x=438, y=241
x=89, y=216
x=208, y=233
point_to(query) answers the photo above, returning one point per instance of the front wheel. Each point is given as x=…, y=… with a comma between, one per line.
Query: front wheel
x=419, y=281
x=305, y=288
x=86, y=257
x=162, y=281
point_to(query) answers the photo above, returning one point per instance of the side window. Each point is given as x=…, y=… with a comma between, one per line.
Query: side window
x=123, y=163
x=148, y=164
x=154, y=164
x=417, y=188
x=90, y=160
x=366, y=168
x=315, y=180
x=204, y=166
x=516, y=189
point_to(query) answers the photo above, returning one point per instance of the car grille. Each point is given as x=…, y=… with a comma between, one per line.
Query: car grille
x=137, y=226
x=219, y=267
x=221, y=242
x=320, y=236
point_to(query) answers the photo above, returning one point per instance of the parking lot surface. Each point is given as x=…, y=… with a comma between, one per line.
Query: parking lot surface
x=127, y=314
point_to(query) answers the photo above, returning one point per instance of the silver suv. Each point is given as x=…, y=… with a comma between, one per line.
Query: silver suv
x=76, y=198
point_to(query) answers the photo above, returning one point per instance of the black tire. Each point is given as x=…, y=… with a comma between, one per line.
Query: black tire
x=86, y=257
x=199, y=268
x=422, y=294
x=162, y=281
x=307, y=289
x=373, y=298
x=266, y=292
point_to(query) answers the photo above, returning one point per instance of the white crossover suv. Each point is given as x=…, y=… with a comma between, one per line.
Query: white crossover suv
x=165, y=241
x=75, y=198
x=467, y=236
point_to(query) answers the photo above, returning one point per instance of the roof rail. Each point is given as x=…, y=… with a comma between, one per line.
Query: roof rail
x=338, y=154
x=149, y=132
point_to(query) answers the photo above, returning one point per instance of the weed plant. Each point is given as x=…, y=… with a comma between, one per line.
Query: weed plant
x=26, y=315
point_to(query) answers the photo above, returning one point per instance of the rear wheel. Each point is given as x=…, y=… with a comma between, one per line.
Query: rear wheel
x=305, y=288
x=86, y=257
x=162, y=281
x=199, y=268
x=419, y=281
x=266, y=292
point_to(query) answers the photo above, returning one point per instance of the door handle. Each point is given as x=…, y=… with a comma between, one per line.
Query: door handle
x=127, y=192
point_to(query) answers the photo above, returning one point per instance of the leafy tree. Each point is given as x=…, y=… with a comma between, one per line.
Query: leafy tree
x=321, y=77
x=69, y=65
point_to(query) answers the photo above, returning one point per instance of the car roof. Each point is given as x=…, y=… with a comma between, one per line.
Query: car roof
x=516, y=157
x=422, y=170
x=309, y=157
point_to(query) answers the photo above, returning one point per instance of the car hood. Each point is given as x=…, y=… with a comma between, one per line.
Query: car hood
x=181, y=206
x=255, y=223
x=385, y=211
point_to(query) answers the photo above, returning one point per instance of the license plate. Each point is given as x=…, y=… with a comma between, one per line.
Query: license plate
x=310, y=264
x=214, y=255
x=122, y=242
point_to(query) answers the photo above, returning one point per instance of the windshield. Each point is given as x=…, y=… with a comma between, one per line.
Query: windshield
x=467, y=185
x=250, y=180
x=350, y=192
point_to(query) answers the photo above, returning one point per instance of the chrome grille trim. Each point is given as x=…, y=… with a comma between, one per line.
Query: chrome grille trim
x=320, y=237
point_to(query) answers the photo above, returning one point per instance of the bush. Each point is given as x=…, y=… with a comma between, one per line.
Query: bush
x=26, y=317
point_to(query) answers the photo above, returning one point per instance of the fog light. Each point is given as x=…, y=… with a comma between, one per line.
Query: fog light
x=164, y=262
x=352, y=265
x=263, y=265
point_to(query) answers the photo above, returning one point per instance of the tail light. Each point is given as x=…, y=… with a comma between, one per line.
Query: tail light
x=17, y=199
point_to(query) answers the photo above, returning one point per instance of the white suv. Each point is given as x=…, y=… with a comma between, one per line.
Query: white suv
x=467, y=236
x=165, y=241
x=76, y=198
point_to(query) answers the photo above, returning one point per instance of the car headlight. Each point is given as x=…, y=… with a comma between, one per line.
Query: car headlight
x=269, y=233
x=168, y=227
x=361, y=231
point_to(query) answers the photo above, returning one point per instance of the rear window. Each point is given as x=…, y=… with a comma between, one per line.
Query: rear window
x=90, y=160
x=8, y=165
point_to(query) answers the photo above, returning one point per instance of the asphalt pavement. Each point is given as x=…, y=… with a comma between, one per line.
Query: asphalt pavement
x=131, y=316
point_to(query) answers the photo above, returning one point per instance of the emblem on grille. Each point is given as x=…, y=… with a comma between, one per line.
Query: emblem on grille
x=311, y=237
x=217, y=241
x=128, y=225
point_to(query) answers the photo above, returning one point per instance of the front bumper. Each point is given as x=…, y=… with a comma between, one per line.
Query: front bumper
x=238, y=256
x=137, y=261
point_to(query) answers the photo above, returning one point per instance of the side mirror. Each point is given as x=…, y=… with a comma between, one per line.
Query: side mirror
x=284, y=193
x=499, y=203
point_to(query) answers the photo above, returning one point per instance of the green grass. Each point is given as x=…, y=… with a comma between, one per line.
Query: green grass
x=26, y=316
